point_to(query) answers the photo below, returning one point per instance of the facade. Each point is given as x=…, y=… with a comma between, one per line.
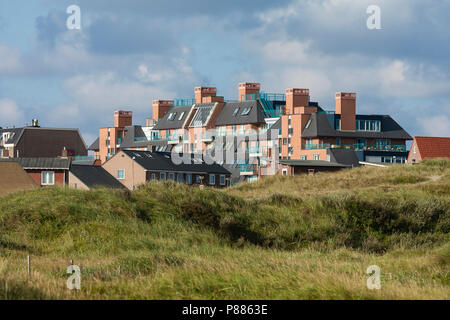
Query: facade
x=45, y=171
x=428, y=148
x=13, y=178
x=86, y=177
x=134, y=168
x=34, y=141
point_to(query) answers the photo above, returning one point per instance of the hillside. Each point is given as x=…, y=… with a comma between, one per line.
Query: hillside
x=304, y=237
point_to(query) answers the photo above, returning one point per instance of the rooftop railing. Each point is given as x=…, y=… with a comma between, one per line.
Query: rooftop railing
x=86, y=158
x=183, y=102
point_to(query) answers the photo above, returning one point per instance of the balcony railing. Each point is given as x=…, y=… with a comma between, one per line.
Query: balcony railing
x=356, y=147
x=247, y=169
x=86, y=158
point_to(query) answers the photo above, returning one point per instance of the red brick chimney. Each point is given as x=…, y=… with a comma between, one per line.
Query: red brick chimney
x=202, y=92
x=246, y=88
x=123, y=118
x=296, y=98
x=160, y=108
x=346, y=107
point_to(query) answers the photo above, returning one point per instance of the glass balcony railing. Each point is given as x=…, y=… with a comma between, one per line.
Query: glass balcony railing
x=86, y=158
x=247, y=168
x=356, y=147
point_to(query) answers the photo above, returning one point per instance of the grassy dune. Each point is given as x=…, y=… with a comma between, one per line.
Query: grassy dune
x=304, y=237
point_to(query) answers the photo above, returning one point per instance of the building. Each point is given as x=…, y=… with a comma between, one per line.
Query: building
x=133, y=168
x=295, y=167
x=13, y=178
x=45, y=171
x=428, y=148
x=287, y=126
x=37, y=142
x=86, y=177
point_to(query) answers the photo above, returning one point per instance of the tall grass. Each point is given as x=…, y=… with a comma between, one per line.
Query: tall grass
x=304, y=237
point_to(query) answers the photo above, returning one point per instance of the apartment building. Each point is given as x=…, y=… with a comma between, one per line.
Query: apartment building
x=304, y=131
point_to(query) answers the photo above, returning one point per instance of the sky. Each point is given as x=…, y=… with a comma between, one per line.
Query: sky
x=128, y=53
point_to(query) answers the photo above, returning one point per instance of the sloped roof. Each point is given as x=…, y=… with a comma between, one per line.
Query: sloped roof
x=13, y=178
x=343, y=156
x=95, y=176
x=165, y=124
x=433, y=147
x=320, y=126
x=161, y=161
x=313, y=163
x=43, y=163
x=95, y=145
x=226, y=117
x=136, y=131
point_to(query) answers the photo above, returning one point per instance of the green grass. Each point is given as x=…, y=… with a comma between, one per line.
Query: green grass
x=303, y=237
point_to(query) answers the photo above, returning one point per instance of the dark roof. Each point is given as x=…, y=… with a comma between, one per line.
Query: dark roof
x=16, y=133
x=226, y=117
x=133, y=132
x=343, y=156
x=165, y=124
x=320, y=126
x=95, y=145
x=95, y=176
x=312, y=163
x=43, y=163
x=161, y=161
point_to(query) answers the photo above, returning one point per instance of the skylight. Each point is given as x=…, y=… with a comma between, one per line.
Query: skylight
x=181, y=116
x=246, y=111
x=235, y=112
x=201, y=116
x=172, y=116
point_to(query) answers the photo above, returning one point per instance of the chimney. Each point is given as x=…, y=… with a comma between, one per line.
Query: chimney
x=160, y=108
x=123, y=118
x=201, y=92
x=64, y=153
x=296, y=98
x=35, y=123
x=246, y=88
x=346, y=107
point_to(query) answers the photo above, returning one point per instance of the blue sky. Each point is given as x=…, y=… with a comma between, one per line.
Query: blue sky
x=131, y=52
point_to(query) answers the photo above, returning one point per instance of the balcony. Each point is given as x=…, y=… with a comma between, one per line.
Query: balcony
x=207, y=138
x=248, y=169
x=174, y=138
x=86, y=158
x=356, y=147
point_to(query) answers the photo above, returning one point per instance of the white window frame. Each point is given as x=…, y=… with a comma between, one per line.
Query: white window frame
x=118, y=177
x=44, y=182
x=317, y=155
x=213, y=176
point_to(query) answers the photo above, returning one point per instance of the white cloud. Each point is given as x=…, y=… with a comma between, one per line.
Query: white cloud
x=10, y=113
x=10, y=60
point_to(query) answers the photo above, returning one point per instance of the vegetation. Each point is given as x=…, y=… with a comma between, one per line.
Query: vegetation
x=303, y=237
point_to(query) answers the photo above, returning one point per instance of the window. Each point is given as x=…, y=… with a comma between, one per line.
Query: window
x=172, y=116
x=338, y=141
x=308, y=124
x=368, y=125
x=222, y=180
x=246, y=111
x=284, y=141
x=201, y=116
x=121, y=174
x=235, y=112
x=242, y=130
x=172, y=176
x=316, y=157
x=338, y=124
x=198, y=179
x=180, y=177
x=212, y=179
x=189, y=178
x=162, y=176
x=303, y=157
x=47, y=178
x=153, y=176
x=284, y=172
x=290, y=131
x=233, y=130
x=181, y=116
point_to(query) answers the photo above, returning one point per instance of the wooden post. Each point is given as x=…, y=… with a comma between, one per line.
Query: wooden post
x=120, y=269
x=29, y=265
x=71, y=262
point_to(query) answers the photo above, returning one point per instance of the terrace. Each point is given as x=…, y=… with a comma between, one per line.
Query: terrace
x=356, y=147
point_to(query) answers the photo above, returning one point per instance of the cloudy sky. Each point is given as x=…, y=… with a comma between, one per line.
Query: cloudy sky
x=128, y=53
